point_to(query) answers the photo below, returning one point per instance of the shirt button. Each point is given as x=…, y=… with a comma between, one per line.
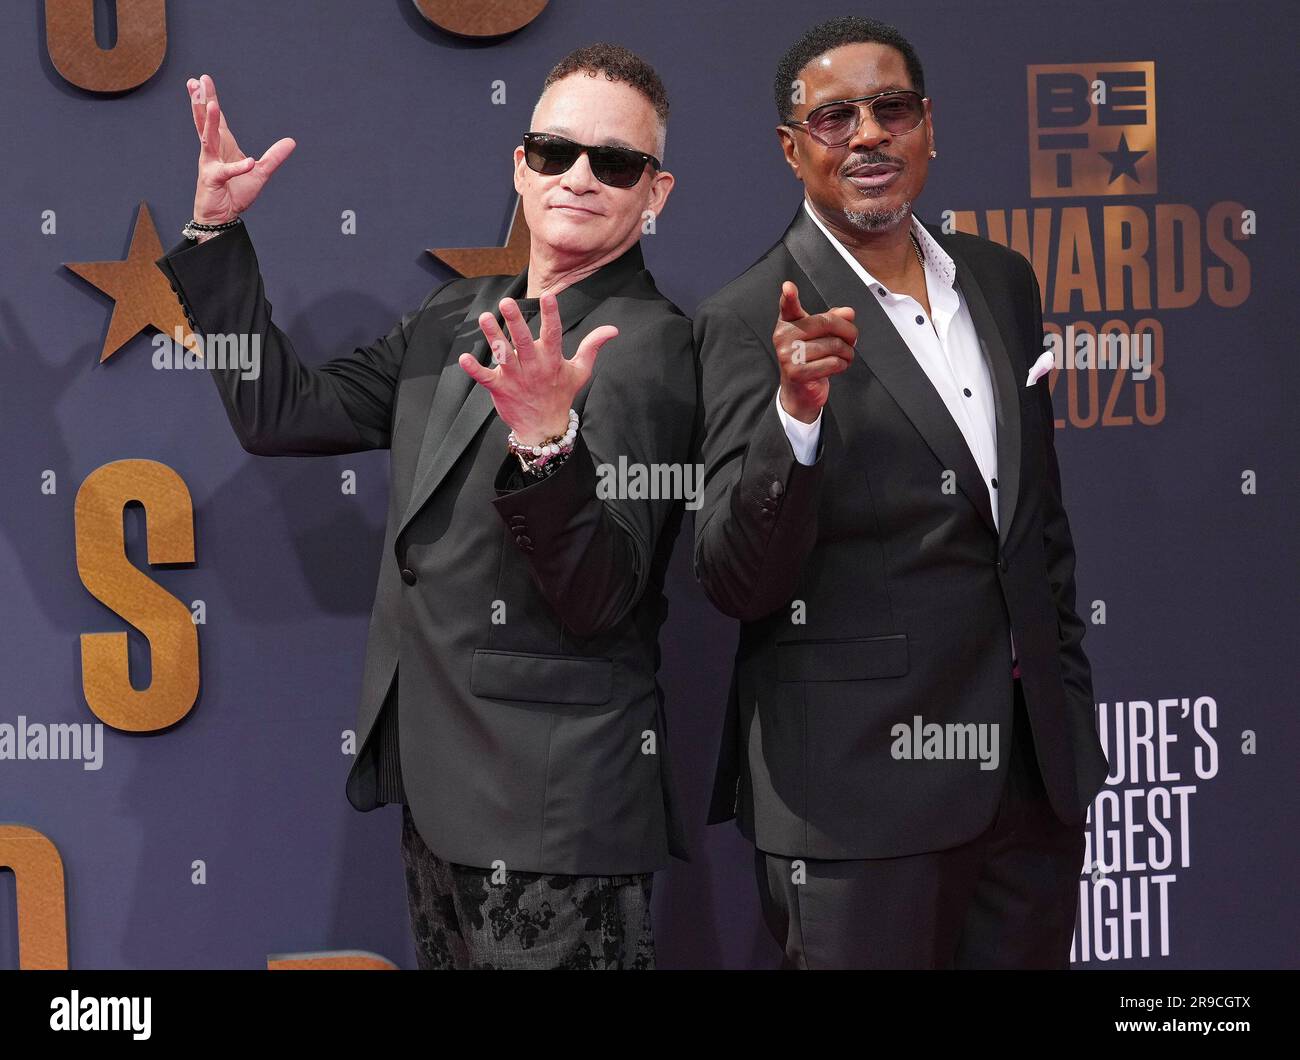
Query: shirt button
x=408, y=576
x=880, y=291
x=920, y=319
x=966, y=391
x=995, y=483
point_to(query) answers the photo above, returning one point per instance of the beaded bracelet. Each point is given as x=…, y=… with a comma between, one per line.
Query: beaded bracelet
x=534, y=457
x=193, y=228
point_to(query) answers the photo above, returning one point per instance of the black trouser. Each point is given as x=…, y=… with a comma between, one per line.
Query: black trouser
x=1007, y=899
x=465, y=917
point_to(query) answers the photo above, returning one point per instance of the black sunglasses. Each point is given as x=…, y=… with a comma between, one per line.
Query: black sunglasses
x=897, y=111
x=619, y=167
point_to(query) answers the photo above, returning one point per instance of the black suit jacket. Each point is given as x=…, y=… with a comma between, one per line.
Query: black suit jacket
x=907, y=592
x=524, y=622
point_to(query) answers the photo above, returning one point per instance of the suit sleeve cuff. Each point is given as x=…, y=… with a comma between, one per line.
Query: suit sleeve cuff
x=543, y=508
x=803, y=436
x=200, y=274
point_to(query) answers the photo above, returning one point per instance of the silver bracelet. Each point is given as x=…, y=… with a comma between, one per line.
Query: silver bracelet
x=545, y=467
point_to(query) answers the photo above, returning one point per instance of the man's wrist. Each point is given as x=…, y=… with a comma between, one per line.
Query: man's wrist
x=807, y=417
x=195, y=228
x=803, y=437
x=533, y=455
x=541, y=437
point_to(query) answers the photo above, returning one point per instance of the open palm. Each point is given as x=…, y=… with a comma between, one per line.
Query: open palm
x=533, y=384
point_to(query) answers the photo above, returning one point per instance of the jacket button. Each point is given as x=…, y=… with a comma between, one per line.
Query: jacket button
x=775, y=490
x=517, y=520
x=524, y=542
x=408, y=576
x=1002, y=563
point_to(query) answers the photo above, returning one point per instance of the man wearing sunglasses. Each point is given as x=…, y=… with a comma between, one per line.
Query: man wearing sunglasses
x=910, y=741
x=509, y=699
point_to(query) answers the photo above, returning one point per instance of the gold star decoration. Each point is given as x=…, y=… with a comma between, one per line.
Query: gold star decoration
x=142, y=293
x=491, y=261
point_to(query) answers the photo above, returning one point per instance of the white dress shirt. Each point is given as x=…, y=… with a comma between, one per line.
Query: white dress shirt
x=947, y=348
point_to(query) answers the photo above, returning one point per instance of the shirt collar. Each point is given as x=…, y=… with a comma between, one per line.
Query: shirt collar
x=938, y=262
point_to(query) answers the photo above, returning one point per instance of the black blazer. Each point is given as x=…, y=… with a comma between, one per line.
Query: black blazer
x=907, y=592
x=522, y=738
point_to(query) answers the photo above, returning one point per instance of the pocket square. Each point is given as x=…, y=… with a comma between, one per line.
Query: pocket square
x=1040, y=367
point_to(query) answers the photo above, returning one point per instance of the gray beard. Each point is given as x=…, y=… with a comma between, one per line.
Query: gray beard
x=878, y=220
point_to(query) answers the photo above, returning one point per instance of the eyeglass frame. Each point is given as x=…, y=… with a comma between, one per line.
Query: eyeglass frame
x=858, y=101
x=646, y=159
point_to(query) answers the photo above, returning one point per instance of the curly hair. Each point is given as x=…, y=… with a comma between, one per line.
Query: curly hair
x=617, y=64
x=835, y=34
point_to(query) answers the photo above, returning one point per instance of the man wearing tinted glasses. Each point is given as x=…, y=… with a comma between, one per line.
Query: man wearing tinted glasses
x=509, y=698
x=910, y=741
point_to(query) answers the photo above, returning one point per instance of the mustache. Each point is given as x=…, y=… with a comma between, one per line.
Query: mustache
x=869, y=158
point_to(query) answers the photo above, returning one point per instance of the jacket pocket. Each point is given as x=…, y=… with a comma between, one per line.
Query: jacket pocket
x=855, y=659
x=531, y=678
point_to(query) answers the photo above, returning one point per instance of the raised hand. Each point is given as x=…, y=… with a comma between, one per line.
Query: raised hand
x=229, y=181
x=533, y=384
x=810, y=348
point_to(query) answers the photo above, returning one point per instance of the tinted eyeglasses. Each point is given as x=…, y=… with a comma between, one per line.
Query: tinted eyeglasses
x=619, y=167
x=834, y=124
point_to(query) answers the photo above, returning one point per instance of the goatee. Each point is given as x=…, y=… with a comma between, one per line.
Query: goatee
x=878, y=220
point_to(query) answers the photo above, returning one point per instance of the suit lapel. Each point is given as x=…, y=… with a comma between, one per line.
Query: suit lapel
x=460, y=407
x=882, y=352
x=1006, y=397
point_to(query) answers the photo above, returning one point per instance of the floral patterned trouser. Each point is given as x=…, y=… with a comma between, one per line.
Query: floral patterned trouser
x=462, y=918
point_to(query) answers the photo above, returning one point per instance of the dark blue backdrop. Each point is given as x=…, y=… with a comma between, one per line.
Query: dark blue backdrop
x=394, y=120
